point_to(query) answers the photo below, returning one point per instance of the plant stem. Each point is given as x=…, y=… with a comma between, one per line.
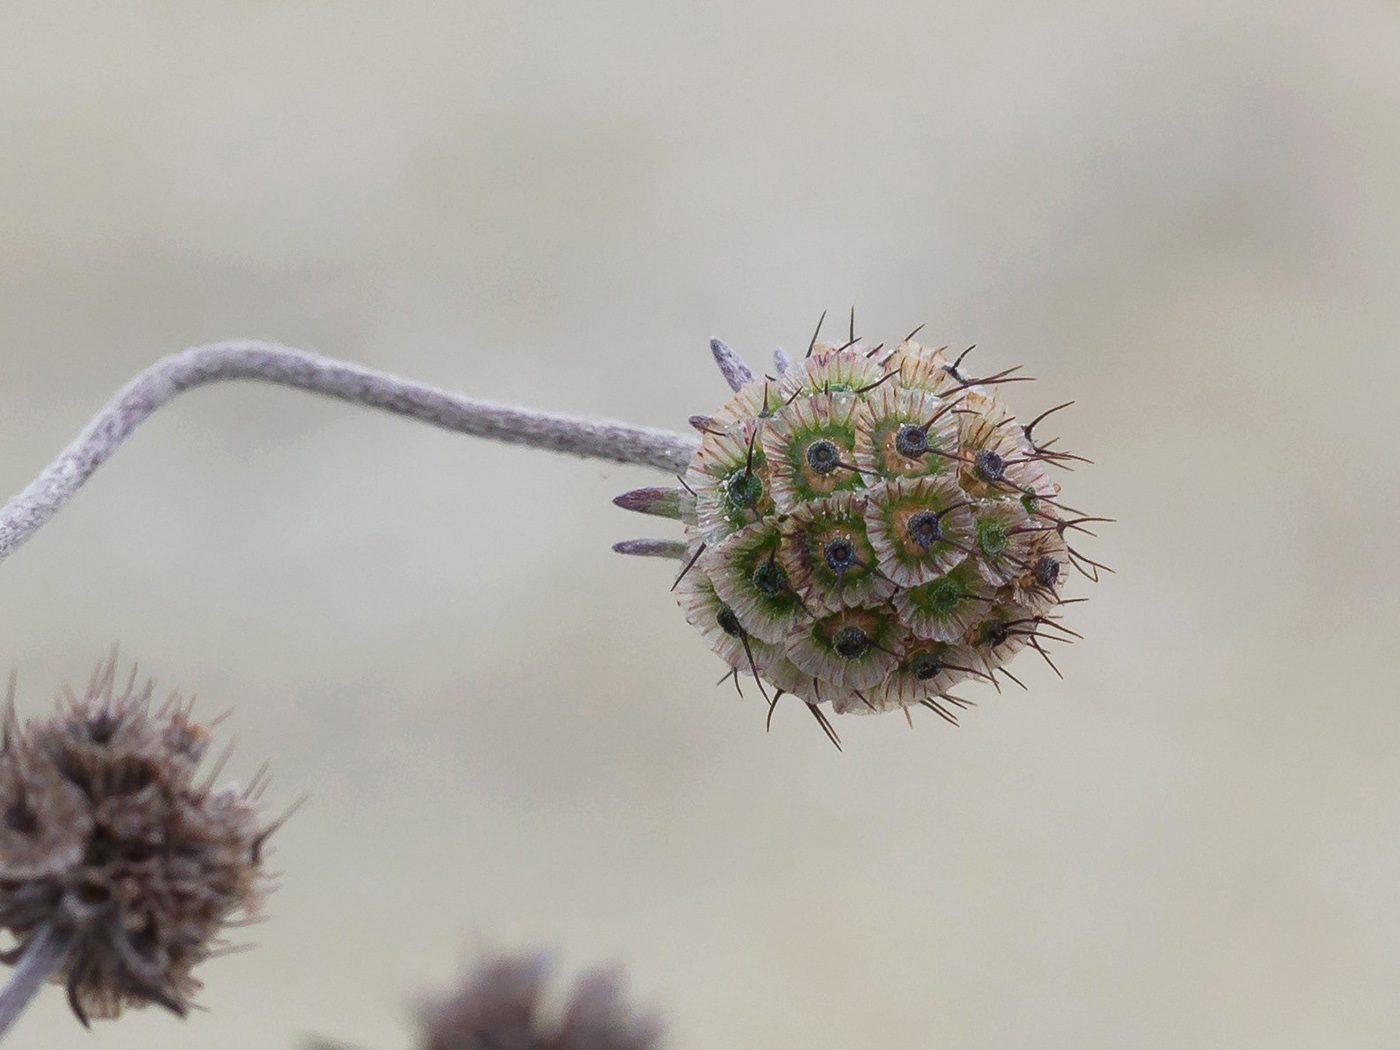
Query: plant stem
x=599, y=439
x=41, y=957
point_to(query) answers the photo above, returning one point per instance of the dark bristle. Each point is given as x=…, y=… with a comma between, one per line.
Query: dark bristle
x=816, y=332
x=825, y=723
x=689, y=565
x=942, y=712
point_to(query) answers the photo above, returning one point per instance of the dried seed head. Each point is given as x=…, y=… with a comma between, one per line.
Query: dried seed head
x=877, y=527
x=108, y=838
x=501, y=1007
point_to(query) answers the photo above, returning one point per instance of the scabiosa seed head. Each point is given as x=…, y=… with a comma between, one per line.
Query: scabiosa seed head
x=501, y=1006
x=870, y=527
x=108, y=838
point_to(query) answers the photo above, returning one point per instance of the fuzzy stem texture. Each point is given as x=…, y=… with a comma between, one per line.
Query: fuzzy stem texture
x=242, y=359
x=41, y=957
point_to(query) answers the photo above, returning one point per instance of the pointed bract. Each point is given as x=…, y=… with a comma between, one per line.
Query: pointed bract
x=652, y=548
x=662, y=502
x=736, y=373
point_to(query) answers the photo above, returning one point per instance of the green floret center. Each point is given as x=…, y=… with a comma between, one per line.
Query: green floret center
x=742, y=491
x=728, y=622
x=770, y=578
x=759, y=567
x=943, y=596
x=991, y=537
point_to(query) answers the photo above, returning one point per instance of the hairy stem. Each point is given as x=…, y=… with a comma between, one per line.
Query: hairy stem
x=599, y=439
x=41, y=957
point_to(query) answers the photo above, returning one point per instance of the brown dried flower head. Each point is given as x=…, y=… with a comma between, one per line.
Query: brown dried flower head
x=501, y=1007
x=870, y=528
x=108, y=839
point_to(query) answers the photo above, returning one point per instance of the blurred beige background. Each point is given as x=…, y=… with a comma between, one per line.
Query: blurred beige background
x=1184, y=215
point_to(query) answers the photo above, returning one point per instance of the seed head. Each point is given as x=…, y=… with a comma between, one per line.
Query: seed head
x=500, y=1007
x=107, y=838
x=872, y=527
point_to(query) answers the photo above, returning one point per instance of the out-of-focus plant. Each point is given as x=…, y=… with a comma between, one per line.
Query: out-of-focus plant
x=120, y=864
x=501, y=1004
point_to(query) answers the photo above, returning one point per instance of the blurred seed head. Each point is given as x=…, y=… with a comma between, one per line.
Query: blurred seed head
x=501, y=1006
x=870, y=528
x=106, y=835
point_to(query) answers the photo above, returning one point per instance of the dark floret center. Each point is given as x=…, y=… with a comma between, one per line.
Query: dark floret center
x=728, y=622
x=923, y=528
x=925, y=666
x=840, y=554
x=20, y=817
x=770, y=578
x=1047, y=571
x=990, y=466
x=994, y=632
x=850, y=642
x=823, y=456
x=103, y=726
x=910, y=440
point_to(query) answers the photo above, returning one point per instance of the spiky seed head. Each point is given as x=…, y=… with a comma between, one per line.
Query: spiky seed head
x=502, y=1005
x=108, y=837
x=876, y=527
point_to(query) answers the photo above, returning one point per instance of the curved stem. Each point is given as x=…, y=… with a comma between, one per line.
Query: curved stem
x=41, y=957
x=599, y=439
